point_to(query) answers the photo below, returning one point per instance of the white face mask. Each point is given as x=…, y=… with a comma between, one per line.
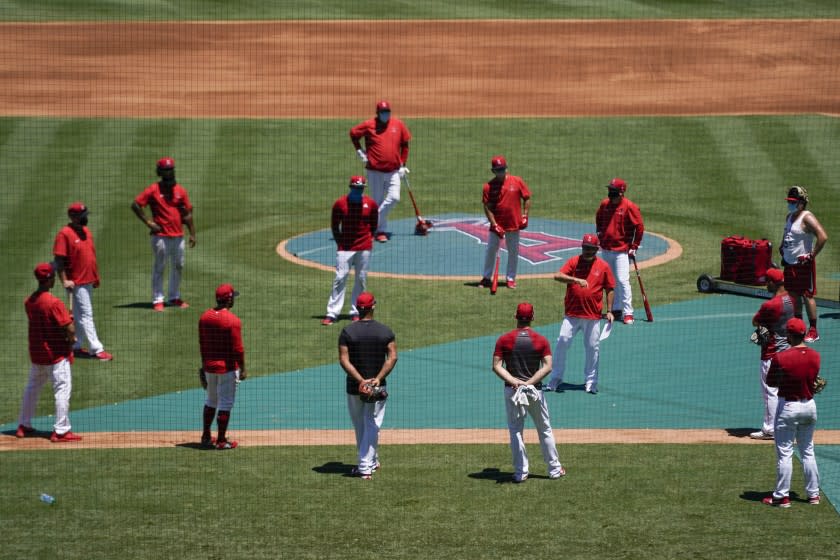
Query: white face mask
x=385, y=116
x=793, y=206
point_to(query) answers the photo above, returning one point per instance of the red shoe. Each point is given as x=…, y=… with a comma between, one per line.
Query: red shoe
x=381, y=237
x=511, y=284
x=178, y=302
x=777, y=502
x=103, y=356
x=628, y=320
x=69, y=436
x=23, y=431
x=223, y=445
x=812, y=335
x=158, y=306
x=327, y=321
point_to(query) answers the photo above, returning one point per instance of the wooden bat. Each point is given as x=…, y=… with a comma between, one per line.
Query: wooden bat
x=495, y=285
x=648, y=312
x=422, y=226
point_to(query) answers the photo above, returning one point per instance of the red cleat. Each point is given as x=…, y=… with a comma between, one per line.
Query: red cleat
x=23, y=431
x=178, y=302
x=158, y=306
x=68, y=436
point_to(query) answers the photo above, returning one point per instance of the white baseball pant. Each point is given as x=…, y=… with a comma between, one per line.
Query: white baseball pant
x=83, y=317
x=516, y=424
x=619, y=262
x=796, y=420
x=164, y=248
x=512, y=246
x=385, y=190
x=367, y=421
x=62, y=382
x=343, y=260
x=221, y=390
x=770, y=396
x=591, y=333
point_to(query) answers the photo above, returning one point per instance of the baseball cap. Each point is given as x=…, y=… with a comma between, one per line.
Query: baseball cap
x=795, y=325
x=166, y=163
x=44, y=271
x=365, y=300
x=776, y=275
x=589, y=240
x=383, y=106
x=357, y=181
x=525, y=311
x=498, y=162
x=797, y=193
x=618, y=183
x=225, y=291
x=77, y=208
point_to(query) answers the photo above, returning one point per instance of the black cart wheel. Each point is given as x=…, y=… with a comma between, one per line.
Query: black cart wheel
x=705, y=284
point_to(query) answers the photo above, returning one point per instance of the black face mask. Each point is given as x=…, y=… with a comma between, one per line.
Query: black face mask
x=612, y=195
x=83, y=221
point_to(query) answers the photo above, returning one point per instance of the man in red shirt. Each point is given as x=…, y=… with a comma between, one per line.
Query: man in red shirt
x=772, y=315
x=522, y=358
x=385, y=154
x=51, y=338
x=171, y=208
x=222, y=365
x=75, y=259
x=354, y=220
x=794, y=372
x=506, y=201
x=587, y=279
x=619, y=226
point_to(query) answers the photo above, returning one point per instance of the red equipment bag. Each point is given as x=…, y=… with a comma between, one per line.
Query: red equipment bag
x=744, y=260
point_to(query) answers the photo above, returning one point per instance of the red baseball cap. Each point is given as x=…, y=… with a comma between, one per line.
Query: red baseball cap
x=44, y=271
x=525, y=311
x=776, y=275
x=618, y=183
x=357, y=181
x=797, y=194
x=795, y=325
x=77, y=208
x=589, y=240
x=498, y=162
x=225, y=291
x=166, y=163
x=365, y=300
x=383, y=106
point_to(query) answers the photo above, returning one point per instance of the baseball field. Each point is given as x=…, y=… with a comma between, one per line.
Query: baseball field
x=709, y=110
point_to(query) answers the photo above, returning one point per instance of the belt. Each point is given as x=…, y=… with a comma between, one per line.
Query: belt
x=797, y=400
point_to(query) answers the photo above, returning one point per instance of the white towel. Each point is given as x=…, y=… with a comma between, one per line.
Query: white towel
x=521, y=398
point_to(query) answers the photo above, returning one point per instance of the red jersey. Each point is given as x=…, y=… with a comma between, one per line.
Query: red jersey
x=167, y=212
x=354, y=223
x=586, y=303
x=522, y=351
x=794, y=371
x=386, y=144
x=774, y=314
x=47, y=333
x=220, y=339
x=504, y=199
x=79, y=253
x=619, y=226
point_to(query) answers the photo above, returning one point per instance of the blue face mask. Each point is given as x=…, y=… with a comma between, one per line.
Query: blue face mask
x=355, y=195
x=792, y=206
x=385, y=116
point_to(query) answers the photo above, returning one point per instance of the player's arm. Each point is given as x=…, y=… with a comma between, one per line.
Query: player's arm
x=388, y=366
x=335, y=225
x=813, y=225
x=61, y=268
x=610, y=298
x=70, y=332
x=775, y=373
x=346, y=365
x=564, y=278
x=494, y=225
x=188, y=219
x=141, y=215
x=635, y=217
x=545, y=369
x=500, y=370
x=238, y=349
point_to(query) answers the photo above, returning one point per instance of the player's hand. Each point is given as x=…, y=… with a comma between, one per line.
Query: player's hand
x=805, y=259
x=202, y=378
x=403, y=171
x=192, y=241
x=582, y=282
x=498, y=230
x=524, y=223
x=242, y=375
x=609, y=316
x=154, y=227
x=68, y=284
x=373, y=382
x=631, y=253
x=362, y=155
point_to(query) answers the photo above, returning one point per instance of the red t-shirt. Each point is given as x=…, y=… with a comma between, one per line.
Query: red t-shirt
x=47, y=321
x=522, y=351
x=794, y=371
x=220, y=339
x=167, y=212
x=586, y=303
x=79, y=253
x=619, y=226
x=504, y=199
x=774, y=314
x=386, y=146
x=354, y=223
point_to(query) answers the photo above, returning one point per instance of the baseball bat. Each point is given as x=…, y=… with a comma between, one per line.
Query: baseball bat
x=495, y=285
x=421, y=223
x=648, y=312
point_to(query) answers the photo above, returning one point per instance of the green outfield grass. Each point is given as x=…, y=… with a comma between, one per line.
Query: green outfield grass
x=441, y=501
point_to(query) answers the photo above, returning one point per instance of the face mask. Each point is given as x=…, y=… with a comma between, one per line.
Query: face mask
x=612, y=195
x=792, y=206
x=355, y=195
x=385, y=116
x=83, y=221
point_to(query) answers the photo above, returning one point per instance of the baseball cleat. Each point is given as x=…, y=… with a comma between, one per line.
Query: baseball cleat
x=628, y=320
x=485, y=283
x=777, y=502
x=761, y=434
x=223, y=445
x=23, y=431
x=814, y=500
x=158, y=307
x=103, y=356
x=592, y=391
x=519, y=479
x=359, y=474
x=511, y=284
x=812, y=335
x=68, y=436
x=557, y=475
x=208, y=442
x=381, y=238
x=327, y=321
x=178, y=302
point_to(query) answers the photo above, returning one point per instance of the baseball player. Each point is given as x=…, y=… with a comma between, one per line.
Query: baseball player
x=384, y=154
x=353, y=222
x=171, y=208
x=619, y=226
x=222, y=365
x=522, y=358
x=51, y=338
x=799, y=251
x=772, y=315
x=75, y=260
x=367, y=352
x=794, y=372
x=506, y=201
x=587, y=278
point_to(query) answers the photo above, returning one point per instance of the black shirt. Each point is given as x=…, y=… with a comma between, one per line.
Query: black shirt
x=367, y=344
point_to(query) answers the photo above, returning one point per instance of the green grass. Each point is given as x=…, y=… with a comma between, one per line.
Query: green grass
x=441, y=501
x=256, y=182
x=148, y=10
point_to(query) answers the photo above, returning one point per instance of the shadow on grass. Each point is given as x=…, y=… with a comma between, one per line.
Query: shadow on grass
x=196, y=445
x=742, y=432
x=135, y=305
x=753, y=496
x=337, y=468
x=493, y=474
